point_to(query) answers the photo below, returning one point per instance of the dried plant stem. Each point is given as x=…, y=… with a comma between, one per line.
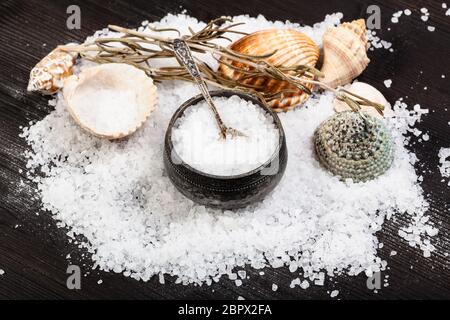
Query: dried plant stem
x=139, y=49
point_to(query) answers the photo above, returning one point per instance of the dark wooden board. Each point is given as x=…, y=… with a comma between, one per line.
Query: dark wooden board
x=33, y=253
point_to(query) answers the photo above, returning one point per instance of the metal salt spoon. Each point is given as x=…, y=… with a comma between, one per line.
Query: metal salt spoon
x=184, y=55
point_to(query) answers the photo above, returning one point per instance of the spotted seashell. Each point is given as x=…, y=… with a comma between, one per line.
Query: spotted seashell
x=48, y=76
x=354, y=147
x=291, y=48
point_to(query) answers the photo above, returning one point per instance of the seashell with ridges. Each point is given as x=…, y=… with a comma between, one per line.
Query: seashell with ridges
x=355, y=147
x=291, y=48
x=110, y=101
x=48, y=76
x=345, y=53
x=369, y=92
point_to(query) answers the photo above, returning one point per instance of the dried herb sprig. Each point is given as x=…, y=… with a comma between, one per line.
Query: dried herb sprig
x=139, y=49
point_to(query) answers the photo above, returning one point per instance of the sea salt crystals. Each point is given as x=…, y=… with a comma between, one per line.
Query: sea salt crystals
x=395, y=16
x=444, y=162
x=334, y=293
x=196, y=137
x=425, y=14
x=387, y=83
x=376, y=42
x=111, y=100
x=118, y=197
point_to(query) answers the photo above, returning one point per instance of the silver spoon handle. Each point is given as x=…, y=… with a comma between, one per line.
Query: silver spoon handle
x=184, y=55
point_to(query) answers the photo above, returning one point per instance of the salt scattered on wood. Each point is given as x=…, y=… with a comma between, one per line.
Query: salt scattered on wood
x=295, y=282
x=304, y=285
x=431, y=28
x=274, y=287
x=2, y=272
x=376, y=42
x=135, y=222
x=388, y=83
x=334, y=293
x=444, y=161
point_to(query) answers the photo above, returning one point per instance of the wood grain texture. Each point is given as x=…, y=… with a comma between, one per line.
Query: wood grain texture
x=33, y=250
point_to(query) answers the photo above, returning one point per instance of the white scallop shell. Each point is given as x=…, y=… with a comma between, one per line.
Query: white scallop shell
x=110, y=101
x=370, y=93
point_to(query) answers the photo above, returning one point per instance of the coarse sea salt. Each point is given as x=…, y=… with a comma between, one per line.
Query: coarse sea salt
x=376, y=42
x=388, y=83
x=444, y=162
x=196, y=138
x=103, y=110
x=133, y=221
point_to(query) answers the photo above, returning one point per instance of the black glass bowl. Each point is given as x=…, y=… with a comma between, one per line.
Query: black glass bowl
x=225, y=192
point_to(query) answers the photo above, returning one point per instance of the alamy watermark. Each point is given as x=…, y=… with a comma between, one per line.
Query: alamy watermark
x=374, y=19
x=374, y=282
x=73, y=22
x=74, y=280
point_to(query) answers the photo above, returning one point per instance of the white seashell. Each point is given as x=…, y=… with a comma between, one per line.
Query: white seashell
x=111, y=100
x=370, y=93
x=345, y=53
x=291, y=48
x=48, y=76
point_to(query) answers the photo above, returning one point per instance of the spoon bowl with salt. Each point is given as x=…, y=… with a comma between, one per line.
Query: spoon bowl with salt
x=185, y=57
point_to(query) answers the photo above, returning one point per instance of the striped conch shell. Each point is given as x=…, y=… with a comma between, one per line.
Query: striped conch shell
x=110, y=101
x=291, y=48
x=345, y=53
x=48, y=76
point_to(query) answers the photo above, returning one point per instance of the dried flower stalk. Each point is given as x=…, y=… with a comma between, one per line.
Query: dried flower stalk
x=139, y=49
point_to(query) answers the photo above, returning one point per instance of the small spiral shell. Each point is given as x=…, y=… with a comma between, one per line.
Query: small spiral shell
x=48, y=76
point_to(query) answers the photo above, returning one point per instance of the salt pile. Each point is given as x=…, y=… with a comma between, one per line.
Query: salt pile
x=196, y=137
x=105, y=111
x=134, y=221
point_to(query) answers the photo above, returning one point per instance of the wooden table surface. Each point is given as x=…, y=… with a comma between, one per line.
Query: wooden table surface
x=33, y=250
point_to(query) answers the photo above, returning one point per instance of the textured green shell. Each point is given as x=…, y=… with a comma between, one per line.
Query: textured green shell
x=354, y=147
